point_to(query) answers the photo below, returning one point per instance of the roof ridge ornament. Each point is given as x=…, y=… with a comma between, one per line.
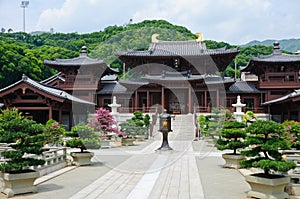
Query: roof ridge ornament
x=24, y=77
x=154, y=38
x=200, y=37
x=83, y=51
x=276, y=49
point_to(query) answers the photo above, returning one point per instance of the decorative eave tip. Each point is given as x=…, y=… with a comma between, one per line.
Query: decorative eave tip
x=154, y=38
x=200, y=37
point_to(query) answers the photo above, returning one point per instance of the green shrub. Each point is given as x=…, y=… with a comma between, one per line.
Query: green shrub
x=84, y=138
x=24, y=136
x=265, y=141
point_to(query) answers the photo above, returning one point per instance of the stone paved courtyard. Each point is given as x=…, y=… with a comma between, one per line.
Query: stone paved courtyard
x=192, y=170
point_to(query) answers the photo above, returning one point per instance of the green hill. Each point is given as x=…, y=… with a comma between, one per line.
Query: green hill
x=290, y=45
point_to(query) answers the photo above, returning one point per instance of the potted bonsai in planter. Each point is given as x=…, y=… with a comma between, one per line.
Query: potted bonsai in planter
x=135, y=128
x=232, y=136
x=25, y=137
x=83, y=137
x=265, y=142
x=106, y=125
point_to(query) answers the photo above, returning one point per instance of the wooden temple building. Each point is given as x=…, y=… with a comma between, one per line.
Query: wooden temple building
x=179, y=76
x=279, y=82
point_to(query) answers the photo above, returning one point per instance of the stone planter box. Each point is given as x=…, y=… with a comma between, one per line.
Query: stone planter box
x=293, y=188
x=232, y=161
x=268, y=188
x=104, y=144
x=82, y=159
x=19, y=183
x=139, y=138
x=127, y=141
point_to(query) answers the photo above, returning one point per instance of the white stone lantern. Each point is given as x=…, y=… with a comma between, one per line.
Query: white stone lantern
x=238, y=109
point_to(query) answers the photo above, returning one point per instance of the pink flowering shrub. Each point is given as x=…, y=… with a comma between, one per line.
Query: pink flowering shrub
x=292, y=133
x=105, y=123
x=54, y=132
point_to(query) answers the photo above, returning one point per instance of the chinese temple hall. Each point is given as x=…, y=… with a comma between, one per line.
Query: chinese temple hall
x=179, y=76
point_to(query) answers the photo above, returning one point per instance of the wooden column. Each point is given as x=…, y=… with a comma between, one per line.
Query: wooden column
x=163, y=97
x=136, y=100
x=190, y=99
x=205, y=99
x=60, y=115
x=50, y=112
x=70, y=120
x=148, y=99
x=217, y=98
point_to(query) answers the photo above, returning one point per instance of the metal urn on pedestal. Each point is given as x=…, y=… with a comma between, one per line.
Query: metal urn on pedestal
x=165, y=128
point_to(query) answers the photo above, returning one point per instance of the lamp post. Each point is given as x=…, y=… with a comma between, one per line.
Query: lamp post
x=24, y=4
x=165, y=128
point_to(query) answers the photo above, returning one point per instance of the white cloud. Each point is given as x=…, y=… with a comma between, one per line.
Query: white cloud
x=233, y=21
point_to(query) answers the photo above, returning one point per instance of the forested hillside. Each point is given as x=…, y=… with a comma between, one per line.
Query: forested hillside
x=291, y=45
x=24, y=53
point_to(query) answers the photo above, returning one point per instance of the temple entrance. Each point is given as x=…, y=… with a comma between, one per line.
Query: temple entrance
x=176, y=101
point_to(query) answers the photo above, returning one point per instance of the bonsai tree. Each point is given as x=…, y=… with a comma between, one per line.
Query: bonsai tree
x=54, y=132
x=137, y=125
x=265, y=140
x=232, y=134
x=215, y=122
x=249, y=117
x=24, y=136
x=83, y=137
x=105, y=123
x=202, y=120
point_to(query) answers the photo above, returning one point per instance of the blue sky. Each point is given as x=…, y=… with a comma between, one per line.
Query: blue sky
x=233, y=21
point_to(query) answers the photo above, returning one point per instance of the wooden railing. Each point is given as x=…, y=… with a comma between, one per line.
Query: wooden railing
x=144, y=109
x=254, y=110
x=202, y=109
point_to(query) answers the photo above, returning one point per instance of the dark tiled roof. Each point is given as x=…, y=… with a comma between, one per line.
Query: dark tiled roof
x=82, y=60
x=145, y=80
x=277, y=56
x=296, y=93
x=243, y=87
x=138, y=81
x=109, y=78
x=177, y=48
x=112, y=87
x=48, y=89
x=173, y=77
x=77, y=61
x=53, y=78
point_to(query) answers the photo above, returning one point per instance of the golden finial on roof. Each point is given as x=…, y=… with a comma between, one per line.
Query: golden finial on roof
x=200, y=37
x=154, y=38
